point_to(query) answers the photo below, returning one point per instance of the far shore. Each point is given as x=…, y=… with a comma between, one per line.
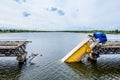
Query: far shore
x=75, y=31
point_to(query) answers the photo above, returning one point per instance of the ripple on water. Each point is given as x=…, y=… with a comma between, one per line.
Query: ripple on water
x=9, y=69
x=48, y=66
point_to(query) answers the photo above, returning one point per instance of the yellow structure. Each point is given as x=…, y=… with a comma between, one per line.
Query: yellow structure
x=80, y=50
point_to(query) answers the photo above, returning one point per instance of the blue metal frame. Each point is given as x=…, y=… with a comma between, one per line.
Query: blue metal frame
x=101, y=36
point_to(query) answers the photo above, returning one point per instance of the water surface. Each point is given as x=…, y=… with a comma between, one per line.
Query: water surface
x=53, y=46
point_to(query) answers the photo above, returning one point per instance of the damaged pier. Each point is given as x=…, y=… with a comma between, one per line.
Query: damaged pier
x=110, y=47
x=14, y=49
x=93, y=46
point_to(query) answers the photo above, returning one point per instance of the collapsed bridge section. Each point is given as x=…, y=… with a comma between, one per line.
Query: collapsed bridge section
x=14, y=49
x=110, y=47
x=92, y=45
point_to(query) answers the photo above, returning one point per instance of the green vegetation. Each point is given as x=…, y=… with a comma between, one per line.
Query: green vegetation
x=93, y=31
x=78, y=31
x=17, y=31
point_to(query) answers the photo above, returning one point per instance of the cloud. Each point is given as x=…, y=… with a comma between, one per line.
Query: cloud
x=55, y=9
x=52, y=9
x=26, y=14
x=20, y=1
x=61, y=14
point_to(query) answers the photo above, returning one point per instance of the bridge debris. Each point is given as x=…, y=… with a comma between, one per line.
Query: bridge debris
x=93, y=46
x=14, y=49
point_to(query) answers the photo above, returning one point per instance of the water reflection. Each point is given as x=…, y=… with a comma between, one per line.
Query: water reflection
x=78, y=67
x=106, y=68
x=53, y=47
x=9, y=69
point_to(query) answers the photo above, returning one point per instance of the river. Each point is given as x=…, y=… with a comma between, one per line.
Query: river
x=51, y=47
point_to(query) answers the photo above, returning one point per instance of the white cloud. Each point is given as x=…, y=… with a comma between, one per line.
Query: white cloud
x=69, y=14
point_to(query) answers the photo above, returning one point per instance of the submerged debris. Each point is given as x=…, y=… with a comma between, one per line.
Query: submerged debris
x=31, y=57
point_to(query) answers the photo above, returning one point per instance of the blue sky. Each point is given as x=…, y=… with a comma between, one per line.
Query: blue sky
x=60, y=14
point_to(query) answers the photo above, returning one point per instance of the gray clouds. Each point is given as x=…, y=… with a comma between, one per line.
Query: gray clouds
x=61, y=14
x=57, y=10
x=26, y=14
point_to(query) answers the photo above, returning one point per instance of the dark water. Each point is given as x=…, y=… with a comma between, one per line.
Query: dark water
x=53, y=47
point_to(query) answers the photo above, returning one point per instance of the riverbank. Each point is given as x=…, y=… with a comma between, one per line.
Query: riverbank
x=75, y=31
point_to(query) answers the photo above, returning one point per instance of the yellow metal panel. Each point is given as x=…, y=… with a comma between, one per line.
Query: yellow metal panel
x=78, y=55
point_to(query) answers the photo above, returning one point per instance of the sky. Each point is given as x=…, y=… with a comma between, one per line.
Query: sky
x=60, y=14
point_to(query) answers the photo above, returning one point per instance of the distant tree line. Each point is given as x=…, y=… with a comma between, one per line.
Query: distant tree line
x=78, y=31
x=93, y=31
x=15, y=30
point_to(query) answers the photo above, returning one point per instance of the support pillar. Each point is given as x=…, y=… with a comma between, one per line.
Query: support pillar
x=93, y=57
x=22, y=58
